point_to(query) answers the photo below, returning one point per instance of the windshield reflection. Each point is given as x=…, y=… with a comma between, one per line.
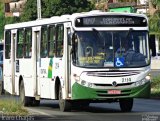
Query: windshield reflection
x=111, y=49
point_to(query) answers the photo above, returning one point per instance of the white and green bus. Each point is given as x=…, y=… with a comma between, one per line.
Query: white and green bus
x=79, y=59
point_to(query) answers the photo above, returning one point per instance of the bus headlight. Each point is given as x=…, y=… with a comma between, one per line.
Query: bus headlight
x=87, y=84
x=77, y=79
x=148, y=77
x=143, y=81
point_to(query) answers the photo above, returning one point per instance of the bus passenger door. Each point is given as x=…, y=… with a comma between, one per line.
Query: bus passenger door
x=13, y=42
x=36, y=60
x=9, y=61
x=67, y=51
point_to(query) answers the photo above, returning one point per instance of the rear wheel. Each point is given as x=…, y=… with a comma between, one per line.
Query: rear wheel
x=35, y=102
x=64, y=105
x=26, y=101
x=126, y=104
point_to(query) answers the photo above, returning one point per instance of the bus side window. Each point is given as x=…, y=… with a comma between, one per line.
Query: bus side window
x=44, y=48
x=59, y=40
x=8, y=44
x=20, y=43
x=28, y=43
x=51, y=41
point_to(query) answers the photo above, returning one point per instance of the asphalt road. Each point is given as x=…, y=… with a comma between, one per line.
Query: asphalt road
x=143, y=110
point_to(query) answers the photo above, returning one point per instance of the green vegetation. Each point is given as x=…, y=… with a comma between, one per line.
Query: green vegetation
x=154, y=20
x=12, y=107
x=155, y=87
x=1, y=21
x=55, y=8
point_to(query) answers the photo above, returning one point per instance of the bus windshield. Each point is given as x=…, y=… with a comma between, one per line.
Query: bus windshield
x=111, y=49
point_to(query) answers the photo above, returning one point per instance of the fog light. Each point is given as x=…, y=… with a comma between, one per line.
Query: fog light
x=83, y=82
x=90, y=85
x=138, y=83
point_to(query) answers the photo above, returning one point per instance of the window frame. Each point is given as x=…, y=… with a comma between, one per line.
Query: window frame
x=59, y=52
x=46, y=42
x=53, y=41
x=18, y=44
x=28, y=44
x=7, y=43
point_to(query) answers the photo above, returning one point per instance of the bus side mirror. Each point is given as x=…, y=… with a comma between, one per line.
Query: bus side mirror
x=69, y=41
x=69, y=36
x=152, y=45
x=72, y=43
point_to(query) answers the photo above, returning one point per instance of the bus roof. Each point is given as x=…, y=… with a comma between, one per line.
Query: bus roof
x=35, y=23
x=97, y=12
x=65, y=18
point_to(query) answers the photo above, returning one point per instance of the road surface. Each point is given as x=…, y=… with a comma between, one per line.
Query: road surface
x=143, y=110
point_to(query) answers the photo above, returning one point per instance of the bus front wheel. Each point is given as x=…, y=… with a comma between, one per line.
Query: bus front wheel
x=64, y=105
x=126, y=104
x=26, y=101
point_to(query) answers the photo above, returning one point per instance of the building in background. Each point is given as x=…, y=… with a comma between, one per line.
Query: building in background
x=14, y=7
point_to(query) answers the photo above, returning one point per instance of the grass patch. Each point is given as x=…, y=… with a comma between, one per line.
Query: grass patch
x=155, y=87
x=12, y=107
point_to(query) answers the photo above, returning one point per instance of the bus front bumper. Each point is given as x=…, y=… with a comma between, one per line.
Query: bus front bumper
x=81, y=92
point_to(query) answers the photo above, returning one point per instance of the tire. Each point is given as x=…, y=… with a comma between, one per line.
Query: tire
x=35, y=102
x=84, y=104
x=64, y=105
x=126, y=104
x=26, y=101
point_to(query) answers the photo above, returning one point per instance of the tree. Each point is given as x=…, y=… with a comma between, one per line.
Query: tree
x=55, y=8
x=2, y=21
x=154, y=19
x=156, y=3
x=154, y=22
x=29, y=11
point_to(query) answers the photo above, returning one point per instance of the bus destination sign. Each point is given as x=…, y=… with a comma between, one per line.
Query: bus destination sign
x=111, y=20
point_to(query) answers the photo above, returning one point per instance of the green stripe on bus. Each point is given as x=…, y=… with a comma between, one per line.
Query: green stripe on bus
x=50, y=68
x=82, y=92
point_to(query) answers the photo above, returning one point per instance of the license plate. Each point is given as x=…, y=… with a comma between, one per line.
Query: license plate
x=114, y=91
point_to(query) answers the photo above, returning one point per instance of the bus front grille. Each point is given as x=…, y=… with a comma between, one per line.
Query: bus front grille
x=112, y=73
x=121, y=84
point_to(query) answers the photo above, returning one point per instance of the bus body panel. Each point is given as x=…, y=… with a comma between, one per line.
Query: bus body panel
x=24, y=70
x=7, y=76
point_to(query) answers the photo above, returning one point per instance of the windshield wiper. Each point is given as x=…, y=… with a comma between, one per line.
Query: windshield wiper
x=99, y=36
x=129, y=32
